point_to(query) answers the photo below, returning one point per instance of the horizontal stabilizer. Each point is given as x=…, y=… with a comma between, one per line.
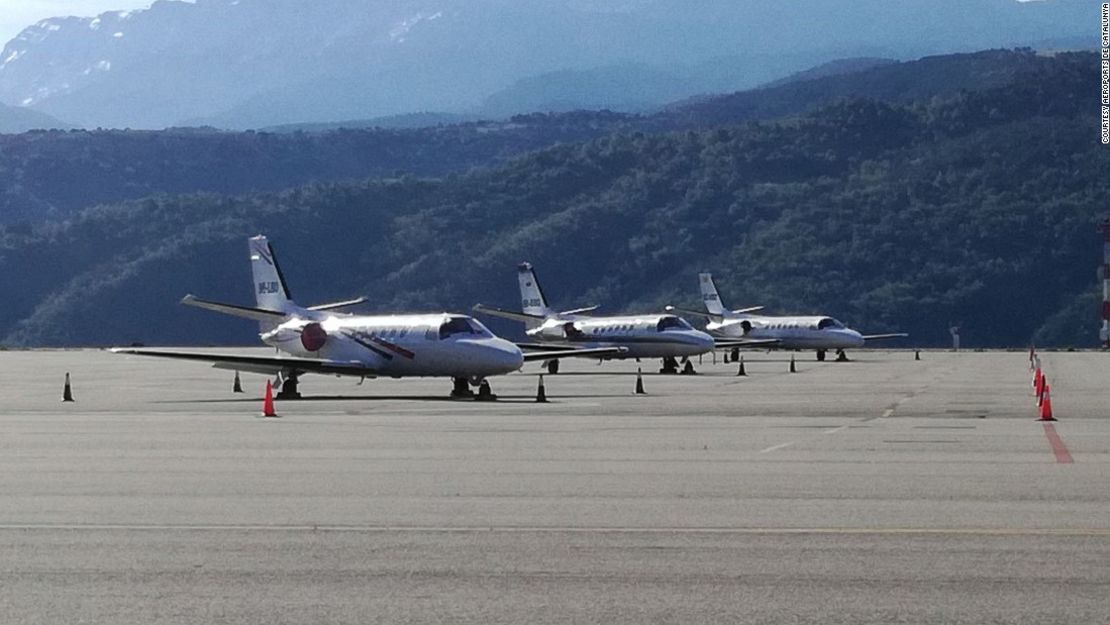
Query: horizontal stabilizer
x=259, y=364
x=580, y=311
x=590, y=352
x=749, y=309
x=338, y=305
x=257, y=314
x=507, y=314
x=700, y=313
x=879, y=337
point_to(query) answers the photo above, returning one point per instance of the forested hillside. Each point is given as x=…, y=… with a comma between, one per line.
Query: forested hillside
x=49, y=175
x=976, y=209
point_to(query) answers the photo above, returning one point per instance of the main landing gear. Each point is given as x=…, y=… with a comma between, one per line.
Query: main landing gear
x=461, y=390
x=840, y=355
x=670, y=366
x=288, y=384
x=553, y=366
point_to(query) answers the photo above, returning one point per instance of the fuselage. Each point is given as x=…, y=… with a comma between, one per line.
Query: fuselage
x=821, y=333
x=398, y=345
x=644, y=336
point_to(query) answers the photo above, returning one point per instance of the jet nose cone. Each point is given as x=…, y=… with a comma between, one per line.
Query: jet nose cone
x=505, y=356
x=857, y=338
x=703, y=340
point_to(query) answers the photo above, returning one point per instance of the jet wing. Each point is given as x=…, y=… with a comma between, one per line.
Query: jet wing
x=260, y=364
x=877, y=337
x=546, y=347
x=728, y=343
x=557, y=353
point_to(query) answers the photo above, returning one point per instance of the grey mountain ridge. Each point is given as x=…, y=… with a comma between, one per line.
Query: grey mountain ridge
x=257, y=63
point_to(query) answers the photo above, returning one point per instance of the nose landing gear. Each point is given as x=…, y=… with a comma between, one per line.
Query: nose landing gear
x=461, y=389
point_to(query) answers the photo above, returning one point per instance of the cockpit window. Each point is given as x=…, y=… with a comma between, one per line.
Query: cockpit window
x=828, y=323
x=462, y=325
x=477, y=327
x=672, y=323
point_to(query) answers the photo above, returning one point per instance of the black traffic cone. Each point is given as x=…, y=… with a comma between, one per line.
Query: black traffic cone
x=541, y=394
x=639, y=382
x=67, y=392
x=740, y=371
x=237, y=387
x=793, y=368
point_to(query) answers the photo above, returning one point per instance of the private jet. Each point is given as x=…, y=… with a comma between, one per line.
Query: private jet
x=320, y=340
x=788, y=332
x=650, y=335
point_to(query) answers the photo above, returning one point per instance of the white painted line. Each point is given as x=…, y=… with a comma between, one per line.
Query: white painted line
x=486, y=529
x=888, y=412
x=773, y=448
x=835, y=430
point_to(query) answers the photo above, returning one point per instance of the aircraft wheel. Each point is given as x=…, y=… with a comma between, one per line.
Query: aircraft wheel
x=553, y=367
x=820, y=355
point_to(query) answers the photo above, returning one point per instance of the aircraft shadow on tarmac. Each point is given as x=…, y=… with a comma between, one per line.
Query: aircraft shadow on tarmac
x=501, y=399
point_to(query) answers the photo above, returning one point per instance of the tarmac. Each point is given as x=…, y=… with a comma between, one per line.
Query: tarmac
x=883, y=490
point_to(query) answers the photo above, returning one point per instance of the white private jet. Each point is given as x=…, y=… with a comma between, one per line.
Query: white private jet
x=792, y=332
x=649, y=335
x=327, y=342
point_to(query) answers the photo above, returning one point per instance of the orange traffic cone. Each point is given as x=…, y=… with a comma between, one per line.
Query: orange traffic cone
x=1038, y=382
x=1042, y=389
x=1046, y=405
x=268, y=401
x=1032, y=356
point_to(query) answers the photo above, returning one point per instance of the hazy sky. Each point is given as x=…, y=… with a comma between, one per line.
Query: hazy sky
x=15, y=15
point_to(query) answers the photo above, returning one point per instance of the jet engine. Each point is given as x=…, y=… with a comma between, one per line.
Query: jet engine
x=558, y=331
x=313, y=337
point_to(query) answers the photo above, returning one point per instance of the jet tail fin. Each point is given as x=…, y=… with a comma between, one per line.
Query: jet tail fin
x=270, y=290
x=532, y=300
x=709, y=294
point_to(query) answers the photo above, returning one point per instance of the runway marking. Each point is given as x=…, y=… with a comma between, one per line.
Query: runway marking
x=774, y=447
x=889, y=412
x=835, y=430
x=1058, y=448
x=521, y=529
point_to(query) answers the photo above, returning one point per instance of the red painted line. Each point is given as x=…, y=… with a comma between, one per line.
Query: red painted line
x=1058, y=447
